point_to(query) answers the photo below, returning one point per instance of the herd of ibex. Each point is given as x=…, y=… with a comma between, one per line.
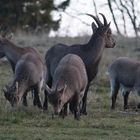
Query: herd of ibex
x=67, y=72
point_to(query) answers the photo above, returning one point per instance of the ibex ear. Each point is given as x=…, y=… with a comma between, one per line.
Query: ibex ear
x=65, y=88
x=94, y=27
x=107, y=27
x=16, y=85
x=48, y=89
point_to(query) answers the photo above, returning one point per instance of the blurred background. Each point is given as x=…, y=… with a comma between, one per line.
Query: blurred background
x=65, y=17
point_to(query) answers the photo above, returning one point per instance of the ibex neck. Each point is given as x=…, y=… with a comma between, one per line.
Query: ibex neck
x=12, y=52
x=96, y=46
x=96, y=42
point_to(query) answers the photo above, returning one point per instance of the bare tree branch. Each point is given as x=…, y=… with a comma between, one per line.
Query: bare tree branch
x=132, y=17
x=75, y=17
x=123, y=16
x=95, y=8
x=113, y=16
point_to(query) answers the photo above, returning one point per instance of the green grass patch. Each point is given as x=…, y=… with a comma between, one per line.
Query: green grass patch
x=30, y=123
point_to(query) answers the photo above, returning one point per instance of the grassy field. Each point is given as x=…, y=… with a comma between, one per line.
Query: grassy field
x=101, y=123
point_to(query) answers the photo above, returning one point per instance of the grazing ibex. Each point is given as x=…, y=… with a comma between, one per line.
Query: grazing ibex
x=14, y=53
x=90, y=53
x=124, y=73
x=29, y=75
x=68, y=85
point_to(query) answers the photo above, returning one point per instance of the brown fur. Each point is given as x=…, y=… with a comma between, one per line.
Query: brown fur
x=14, y=53
x=29, y=75
x=69, y=84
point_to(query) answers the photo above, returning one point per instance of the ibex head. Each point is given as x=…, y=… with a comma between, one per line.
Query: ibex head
x=2, y=54
x=103, y=30
x=10, y=92
x=5, y=35
x=5, y=32
x=57, y=98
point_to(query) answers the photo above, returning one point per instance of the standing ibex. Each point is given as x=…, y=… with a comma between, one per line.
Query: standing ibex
x=29, y=75
x=90, y=53
x=68, y=85
x=14, y=53
x=124, y=73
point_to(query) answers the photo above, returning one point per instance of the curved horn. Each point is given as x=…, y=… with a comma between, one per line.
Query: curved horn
x=48, y=89
x=65, y=87
x=17, y=87
x=96, y=19
x=4, y=89
x=105, y=21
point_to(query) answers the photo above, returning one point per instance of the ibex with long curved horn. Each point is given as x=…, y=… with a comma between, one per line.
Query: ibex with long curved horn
x=90, y=53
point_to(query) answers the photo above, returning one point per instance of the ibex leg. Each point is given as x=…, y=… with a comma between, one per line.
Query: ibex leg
x=125, y=96
x=84, y=102
x=114, y=92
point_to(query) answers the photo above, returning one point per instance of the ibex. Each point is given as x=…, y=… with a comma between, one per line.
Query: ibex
x=90, y=53
x=68, y=85
x=124, y=73
x=14, y=53
x=29, y=75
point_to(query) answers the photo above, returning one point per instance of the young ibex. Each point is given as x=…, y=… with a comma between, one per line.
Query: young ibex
x=14, y=53
x=68, y=85
x=29, y=75
x=124, y=73
x=90, y=53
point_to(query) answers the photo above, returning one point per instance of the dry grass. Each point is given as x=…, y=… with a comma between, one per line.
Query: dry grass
x=100, y=123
